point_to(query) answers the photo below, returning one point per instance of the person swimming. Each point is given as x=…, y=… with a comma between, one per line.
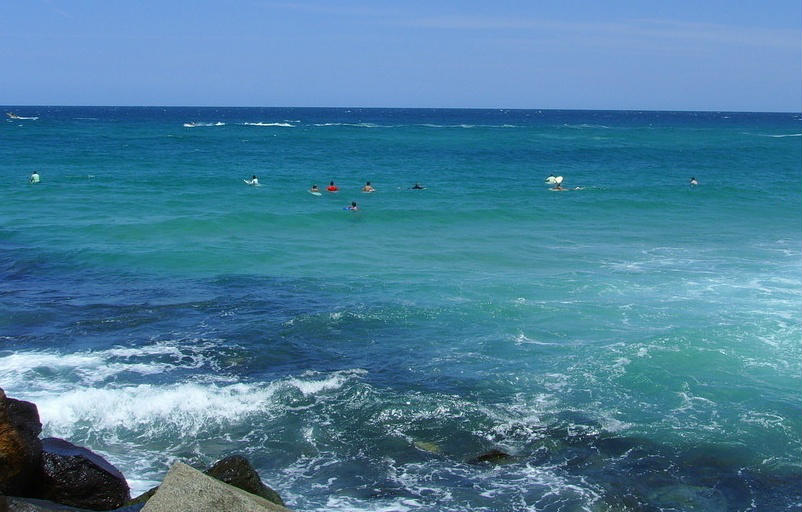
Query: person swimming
x=353, y=207
x=332, y=187
x=368, y=188
x=558, y=185
x=554, y=180
x=34, y=177
x=417, y=186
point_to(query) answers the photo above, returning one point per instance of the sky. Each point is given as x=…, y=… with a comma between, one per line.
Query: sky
x=721, y=55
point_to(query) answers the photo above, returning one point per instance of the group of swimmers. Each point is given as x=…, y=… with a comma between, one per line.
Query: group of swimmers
x=332, y=188
x=367, y=188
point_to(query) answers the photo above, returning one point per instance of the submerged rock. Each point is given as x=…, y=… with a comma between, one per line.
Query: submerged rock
x=20, y=447
x=237, y=471
x=185, y=488
x=492, y=457
x=78, y=477
x=427, y=446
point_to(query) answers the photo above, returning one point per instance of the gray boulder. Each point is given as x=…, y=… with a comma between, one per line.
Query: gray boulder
x=78, y=477
x=20, y=447
x=233, y=470
x=185, y=488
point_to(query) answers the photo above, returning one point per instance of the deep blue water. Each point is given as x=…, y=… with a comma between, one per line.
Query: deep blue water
x=632, y=345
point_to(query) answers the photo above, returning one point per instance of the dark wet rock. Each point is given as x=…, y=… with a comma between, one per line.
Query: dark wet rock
x=237, y=471
x=20, y=447
x=34, y=505
x=78, y=477
x=492, y=457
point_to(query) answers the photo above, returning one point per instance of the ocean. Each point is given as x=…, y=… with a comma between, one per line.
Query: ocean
x=633, y=344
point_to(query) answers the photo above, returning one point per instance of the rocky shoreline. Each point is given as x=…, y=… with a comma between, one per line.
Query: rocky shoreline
x=53, y=474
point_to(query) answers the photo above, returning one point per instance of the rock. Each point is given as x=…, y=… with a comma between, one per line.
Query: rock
x=20, y=447
x=237, y=471
x=33, y=505
x=185, y=488
x=493, y=457
x=234, y=470
x=427, y=446
x=144, y=497
x=78, y=477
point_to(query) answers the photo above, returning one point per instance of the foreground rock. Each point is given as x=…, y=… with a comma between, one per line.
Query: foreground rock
x=78, y=477
x=20, y=447
x=34, y=505
x=233, y=470
x=185, y=488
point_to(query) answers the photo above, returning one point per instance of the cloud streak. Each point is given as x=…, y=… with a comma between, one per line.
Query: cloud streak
x=641, y=29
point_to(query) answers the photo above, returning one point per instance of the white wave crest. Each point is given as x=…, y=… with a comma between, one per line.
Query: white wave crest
x=153, y=410
x=585, y=125
x=68, y=406
x=281, y=125
x=433, y=125
x=522, y=339
x=41, y=370
x=315, y=385
x=197, y=125
x=357, y=125
x=775, y=136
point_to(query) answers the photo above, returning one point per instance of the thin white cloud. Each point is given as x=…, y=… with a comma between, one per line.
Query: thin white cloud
x=58, y=10
x=333, y=9
x=654, y=29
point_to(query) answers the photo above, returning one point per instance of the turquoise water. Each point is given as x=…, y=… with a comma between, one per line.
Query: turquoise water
x=633, y=345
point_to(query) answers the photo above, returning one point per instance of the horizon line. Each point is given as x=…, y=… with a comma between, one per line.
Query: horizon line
x=415, y=108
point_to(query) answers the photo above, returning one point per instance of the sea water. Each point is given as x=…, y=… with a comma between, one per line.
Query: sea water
x=632, y=345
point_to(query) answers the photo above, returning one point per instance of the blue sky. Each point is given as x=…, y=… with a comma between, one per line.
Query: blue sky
x=616, y=54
